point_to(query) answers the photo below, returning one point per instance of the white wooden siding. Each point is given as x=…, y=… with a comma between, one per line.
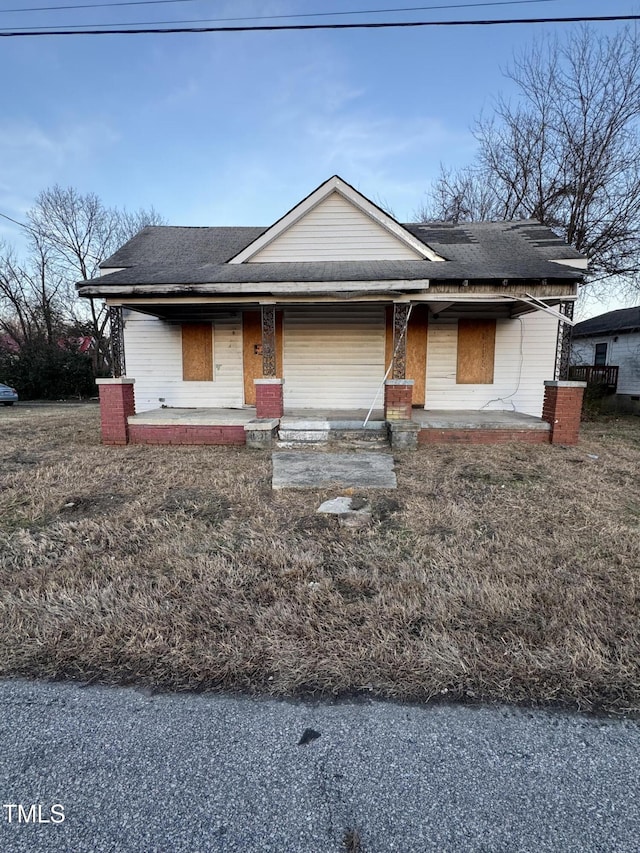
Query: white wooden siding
x=514, y=385
x=153, y=352
x=335, y=230
x=333, y=357
x=623, y=352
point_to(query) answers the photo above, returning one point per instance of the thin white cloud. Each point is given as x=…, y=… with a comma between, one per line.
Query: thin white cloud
x=32, y=158
x=182, y=95
x=355, y=141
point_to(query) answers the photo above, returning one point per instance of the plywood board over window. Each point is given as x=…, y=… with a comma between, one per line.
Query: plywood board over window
x=197, y=352
x=476, y=352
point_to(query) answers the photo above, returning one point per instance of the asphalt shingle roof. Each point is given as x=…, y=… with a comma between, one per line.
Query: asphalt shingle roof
x=622, y=320
x=171, y=255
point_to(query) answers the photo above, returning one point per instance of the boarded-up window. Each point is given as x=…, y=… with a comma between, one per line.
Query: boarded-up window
x=197, y=352
x=476, y=352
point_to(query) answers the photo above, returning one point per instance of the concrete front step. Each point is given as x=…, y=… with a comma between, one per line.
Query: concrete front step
x=301, y=432
x=315, y=434
x=372, y=447
x=330, y=436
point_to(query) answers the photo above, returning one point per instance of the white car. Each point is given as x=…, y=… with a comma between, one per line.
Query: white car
x=8, y=395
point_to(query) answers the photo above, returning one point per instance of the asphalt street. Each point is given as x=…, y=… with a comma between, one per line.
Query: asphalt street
x=135, y=772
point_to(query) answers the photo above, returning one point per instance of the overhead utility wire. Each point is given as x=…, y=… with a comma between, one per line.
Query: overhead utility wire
x=96, y=5
x=276, y=17
x=294, y=15
x=255, y=17
x=301, y=27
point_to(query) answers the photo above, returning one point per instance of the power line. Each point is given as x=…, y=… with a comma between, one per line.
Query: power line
x=259, y=17
x=96, y=5
x=294, y=15
x=15, y=222
x=305, y=27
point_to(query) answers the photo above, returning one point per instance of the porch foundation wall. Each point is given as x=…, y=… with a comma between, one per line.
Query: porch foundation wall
x=117, y=402
x=269, y=398
x=186, y=434
x=398, y=399
x=483, y=436
x=562, y=409
x=261, y=435
x=403, y=434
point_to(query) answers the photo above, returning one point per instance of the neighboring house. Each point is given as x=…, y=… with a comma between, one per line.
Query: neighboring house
x=606, y=350
x=9, y=344
x=81, y=344
x=314, y=313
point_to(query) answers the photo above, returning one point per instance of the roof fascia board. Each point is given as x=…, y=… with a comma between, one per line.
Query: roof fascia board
x=255, y=300
x=108, y=270
x=607, y=333
x=578, y=263
x=335, y=184
x=167, y=290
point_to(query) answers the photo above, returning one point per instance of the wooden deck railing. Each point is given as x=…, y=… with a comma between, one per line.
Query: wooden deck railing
x=607, y=376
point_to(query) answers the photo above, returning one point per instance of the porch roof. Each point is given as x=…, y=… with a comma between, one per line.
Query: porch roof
x=439, y=306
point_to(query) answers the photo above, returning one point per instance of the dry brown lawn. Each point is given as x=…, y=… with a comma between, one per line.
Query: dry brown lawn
x=498, y=573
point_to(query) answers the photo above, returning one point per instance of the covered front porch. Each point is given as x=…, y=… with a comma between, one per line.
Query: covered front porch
x=459, y=353
x=466, y=370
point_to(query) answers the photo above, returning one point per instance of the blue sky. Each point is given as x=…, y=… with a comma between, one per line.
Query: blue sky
x=222, y=129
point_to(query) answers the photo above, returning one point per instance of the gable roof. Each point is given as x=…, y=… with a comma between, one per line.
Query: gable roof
x=613, y=322
x=169, y=255
x=369, y=210
x=241, y=260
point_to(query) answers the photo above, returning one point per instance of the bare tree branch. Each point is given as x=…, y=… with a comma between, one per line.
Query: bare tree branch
x=74, y=233
x=565, y=153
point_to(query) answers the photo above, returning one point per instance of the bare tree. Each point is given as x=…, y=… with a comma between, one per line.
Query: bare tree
x=565, y=152
x=462, y=196
x=31, y=297
x=77, y=232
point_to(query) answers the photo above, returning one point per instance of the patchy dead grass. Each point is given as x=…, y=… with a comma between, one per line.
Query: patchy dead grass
x=496, y=573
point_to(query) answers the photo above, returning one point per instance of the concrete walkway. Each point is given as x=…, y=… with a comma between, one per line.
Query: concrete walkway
x=312, y=470
x=189, y=774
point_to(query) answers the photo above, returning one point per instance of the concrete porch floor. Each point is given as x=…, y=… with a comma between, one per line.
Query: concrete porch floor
x=482, y=419
x=342, y=419
x=194, y=417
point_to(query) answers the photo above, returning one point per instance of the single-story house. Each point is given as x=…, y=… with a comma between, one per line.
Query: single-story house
x=340, y=313
x=605, y=351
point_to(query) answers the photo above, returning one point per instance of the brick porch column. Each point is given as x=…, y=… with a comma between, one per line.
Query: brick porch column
x=562, y=408
x=269, y=398
x=116, y=404
x=398, y=397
